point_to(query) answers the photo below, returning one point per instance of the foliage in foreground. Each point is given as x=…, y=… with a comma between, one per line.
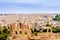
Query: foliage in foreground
x=4, y=33
x=54, y=30
x=57, y=18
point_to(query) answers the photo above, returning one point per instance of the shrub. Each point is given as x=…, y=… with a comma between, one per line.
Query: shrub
x=4, y=33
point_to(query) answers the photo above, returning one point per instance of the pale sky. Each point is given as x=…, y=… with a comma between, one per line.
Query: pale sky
x=29, y=6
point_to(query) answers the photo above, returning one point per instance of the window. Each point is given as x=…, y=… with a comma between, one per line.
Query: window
x=15, y=32
x=20, y=25
x=44, y=30
x=35, y=34
x=49, y=30
x=20, y=32
x=25, y=32
x=40, y=29
x=14, y=37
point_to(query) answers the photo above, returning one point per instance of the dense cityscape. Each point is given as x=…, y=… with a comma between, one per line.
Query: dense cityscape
x=29, y=27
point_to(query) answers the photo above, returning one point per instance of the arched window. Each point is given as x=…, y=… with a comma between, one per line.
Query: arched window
x=49, y=30
x=20, y=32
x=15, y=32
x=20, y=25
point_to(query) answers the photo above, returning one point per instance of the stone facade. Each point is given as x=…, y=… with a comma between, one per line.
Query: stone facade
x=19, y=30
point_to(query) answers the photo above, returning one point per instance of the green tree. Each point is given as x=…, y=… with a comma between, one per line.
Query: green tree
x=4, y=33
x=57, y=18
x=56, y=30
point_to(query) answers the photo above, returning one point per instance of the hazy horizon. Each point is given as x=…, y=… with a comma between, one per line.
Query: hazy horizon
x=29, y=6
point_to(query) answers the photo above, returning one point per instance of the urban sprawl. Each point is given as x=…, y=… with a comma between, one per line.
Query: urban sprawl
x=29, y=27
